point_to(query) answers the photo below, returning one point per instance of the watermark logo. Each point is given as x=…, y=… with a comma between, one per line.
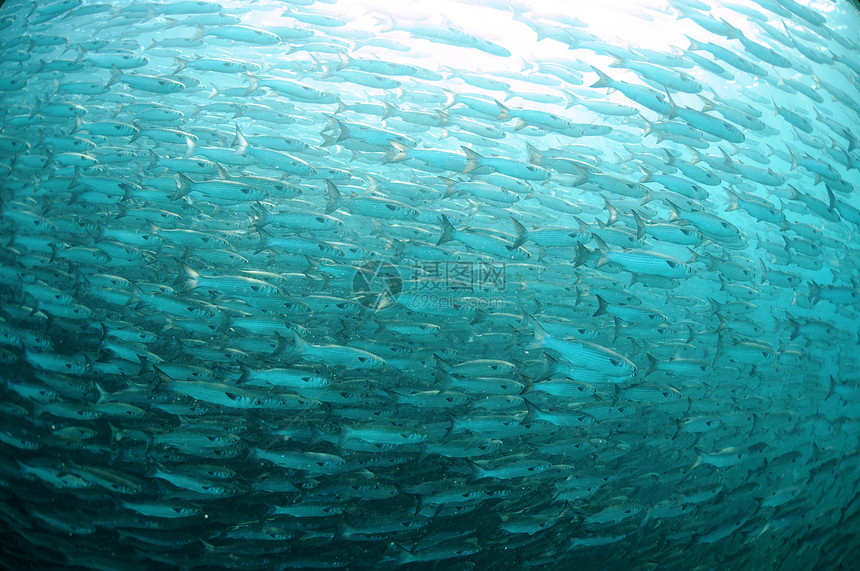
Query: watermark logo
x=431, y=285
x=376, y=284
x=462, y=277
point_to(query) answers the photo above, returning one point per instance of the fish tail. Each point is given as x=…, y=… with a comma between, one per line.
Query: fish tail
x=604, y=252
x=505, y=113
x=719, y=350
x=477, y=471
x=535, y=156
x=603, y=79
x=115, y=73
x=640, y=225
x=522, y=234
x=549, y=366
x=153, y=159
x=793, y=157
x=246, y=373
x=263, y=244
x=253, y=84
x=582, y=254
x=679, y=424
x=184, y=186
x=399, y=154
x=334, y=197
x=540, y=336
x=473, y=158
x=694, y=44
x=533, y=413
x=450, y=186
x=795, y=331
x=733, y=201
x=571, y=99
x=601, y=309
x=673, y=210
x=652, y=364
x=190, y=146
x=814, y=292
x=191, y=278
x=832, y=389
x=447, y=231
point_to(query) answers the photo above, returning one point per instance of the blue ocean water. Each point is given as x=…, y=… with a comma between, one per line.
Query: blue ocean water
x=469, y=285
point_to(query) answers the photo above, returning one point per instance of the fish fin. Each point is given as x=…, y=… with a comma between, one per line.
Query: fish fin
x=814, y=292
x=718, y=353
x=532, y=414
x=263, y=244
x=115, y=74
x=447, y=230
x=400, y=152
x=473, y=160
x=450, y=186
x=334, y=197
x=246, y=372
x=477, y=472
x=540, y=336
x=184, y=186
x=733, y=200
x=603, y=79
x=505, y=113
x=443, y=365
x=613, y=214
x=549, y=366
x=673, y=208
x=535, y=156
x=694, y=44
x=673, y=109
x=601, y=307
x=190, y=147
x=522, y=234
x=640, y=224
x=300, y=345
x=831, y=389
x=153, y=160
x=582, y=254
x=604, y=251
x=242, y=149
x=571, y=99
x=191, y=278
x=253, y=84
x=652, y=364
x=180, y=65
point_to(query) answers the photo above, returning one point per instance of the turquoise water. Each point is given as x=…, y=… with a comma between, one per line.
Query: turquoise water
x=312, y=285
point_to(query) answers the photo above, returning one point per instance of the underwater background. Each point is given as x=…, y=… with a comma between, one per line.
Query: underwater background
x=498, y=284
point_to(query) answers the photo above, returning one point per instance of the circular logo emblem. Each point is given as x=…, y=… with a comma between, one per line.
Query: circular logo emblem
x=376, y=285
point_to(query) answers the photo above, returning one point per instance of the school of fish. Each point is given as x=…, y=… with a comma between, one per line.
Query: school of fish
x=286, y=285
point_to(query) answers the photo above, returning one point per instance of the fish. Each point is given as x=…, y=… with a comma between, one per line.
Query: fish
x=463, y=285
